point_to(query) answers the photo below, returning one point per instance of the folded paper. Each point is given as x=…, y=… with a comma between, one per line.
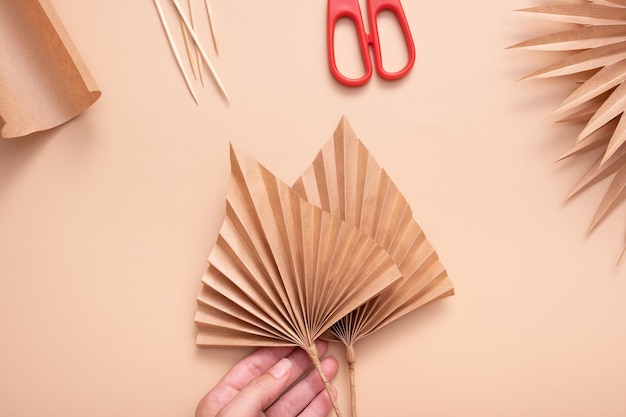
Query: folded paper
x=43, y=80
x=338, y=255
x=346, y=180
x=597, y=55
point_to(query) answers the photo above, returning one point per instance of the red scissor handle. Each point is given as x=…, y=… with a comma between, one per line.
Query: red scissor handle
x=338, y=9
x=375, y=7
x=350, y=9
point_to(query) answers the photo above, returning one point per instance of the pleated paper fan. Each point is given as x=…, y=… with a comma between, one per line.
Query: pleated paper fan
x=283, y=271
x=597, y=46
x=345, y=180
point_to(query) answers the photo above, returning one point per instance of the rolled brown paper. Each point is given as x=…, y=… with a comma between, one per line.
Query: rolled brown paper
x=43, y=80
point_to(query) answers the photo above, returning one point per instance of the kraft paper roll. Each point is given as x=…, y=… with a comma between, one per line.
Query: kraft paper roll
x=43, y=80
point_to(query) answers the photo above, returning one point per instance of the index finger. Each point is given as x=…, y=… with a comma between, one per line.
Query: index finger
x=254, y=365
x=247, y=369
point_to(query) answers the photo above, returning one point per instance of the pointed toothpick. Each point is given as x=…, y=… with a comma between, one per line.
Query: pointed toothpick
x=174, y=49
x=192, y=61
x=192, y=14
x=202, y=52
x=212, y=24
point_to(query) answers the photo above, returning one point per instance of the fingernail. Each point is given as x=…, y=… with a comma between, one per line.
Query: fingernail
x=279, y=370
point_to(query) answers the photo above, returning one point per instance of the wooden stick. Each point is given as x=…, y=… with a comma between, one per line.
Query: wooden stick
x=192, y=14
x=212, y=24
x=314, y=355
x=174, y=49
x=188, y=47
x=202, y=52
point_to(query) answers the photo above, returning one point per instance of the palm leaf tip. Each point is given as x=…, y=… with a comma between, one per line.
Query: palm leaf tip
x=615, y=195
x=585, y=14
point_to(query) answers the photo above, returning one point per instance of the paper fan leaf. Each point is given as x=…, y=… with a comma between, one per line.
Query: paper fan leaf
x=617, y=140
x=587, y=110
x=609, y=110
x=584, y=114
x=615, y=195
x=611, y=2
x=234, y=330
x=601, y=82
x=346, y=181
x=599, y=171
x=599, y=56
x=583, y=61
x=585, y=14
x=598, y=138
x=282, y=269
x=582, y=38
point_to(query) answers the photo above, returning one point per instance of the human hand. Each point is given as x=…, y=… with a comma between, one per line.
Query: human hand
x=253, y=386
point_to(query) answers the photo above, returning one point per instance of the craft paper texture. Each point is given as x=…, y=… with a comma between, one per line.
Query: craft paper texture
x=346, y=180
x=286, y=271
x=597, y=54
x=283, y=271
x=43, y=80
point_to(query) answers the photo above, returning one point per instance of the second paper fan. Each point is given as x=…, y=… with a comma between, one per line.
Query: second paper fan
x=346, y=181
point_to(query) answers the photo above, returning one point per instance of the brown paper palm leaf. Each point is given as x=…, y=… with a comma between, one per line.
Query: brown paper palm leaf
x=597, y=49
x=283, y=271
x=346, y=181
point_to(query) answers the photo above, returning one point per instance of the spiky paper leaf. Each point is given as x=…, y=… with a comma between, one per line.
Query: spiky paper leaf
x=598, y=55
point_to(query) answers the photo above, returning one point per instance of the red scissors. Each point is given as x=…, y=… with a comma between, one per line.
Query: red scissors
x=350, y=9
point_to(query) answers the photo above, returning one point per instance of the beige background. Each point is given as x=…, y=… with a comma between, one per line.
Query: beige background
x=106, y=222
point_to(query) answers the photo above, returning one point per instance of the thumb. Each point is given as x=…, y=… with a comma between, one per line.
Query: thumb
x=260, y=393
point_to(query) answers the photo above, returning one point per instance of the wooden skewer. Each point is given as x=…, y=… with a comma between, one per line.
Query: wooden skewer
x=192, y=14
x=212, y=24
x=174, y=49
x=202, y=52
x=188, y=47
